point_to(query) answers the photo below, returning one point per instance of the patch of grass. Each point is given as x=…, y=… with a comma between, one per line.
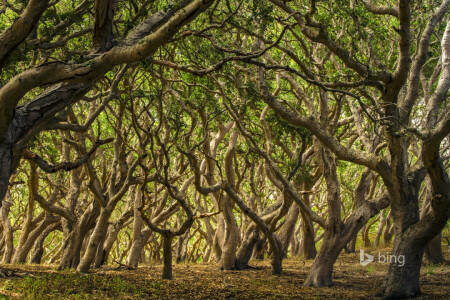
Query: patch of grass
x=72, y=286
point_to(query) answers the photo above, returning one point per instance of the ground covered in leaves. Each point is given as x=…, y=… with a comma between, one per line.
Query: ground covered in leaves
x=206, y=281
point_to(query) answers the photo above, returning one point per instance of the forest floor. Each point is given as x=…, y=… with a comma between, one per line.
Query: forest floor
x=206, y=281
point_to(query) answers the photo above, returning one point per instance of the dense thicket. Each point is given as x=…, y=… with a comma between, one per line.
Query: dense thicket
x=145, y=131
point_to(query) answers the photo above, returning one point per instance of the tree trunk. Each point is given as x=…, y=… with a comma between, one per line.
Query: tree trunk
x=94, y=241
x=100, y=255
x=321, y=273
x=244, y=254
x=231, y=237
x=74, y=236
x=388, y=232
x=39, y=244
x=167, y=252
x=402, y=279
x=6, y=163
x=277, y=255
x=8, y=232
x=183, y=240
x=383, y=220
x=288, y=229
x=433, y=250
x=351, y=246
x=218, y=237
x=20, y=256
x=258, y=252
x=135, y=254
x=308, y=244
x=103, y=29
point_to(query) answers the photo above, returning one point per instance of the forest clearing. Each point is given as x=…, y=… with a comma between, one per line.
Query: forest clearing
x=224, y=149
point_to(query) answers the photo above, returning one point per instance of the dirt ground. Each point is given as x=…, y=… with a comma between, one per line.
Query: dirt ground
x=206, y=281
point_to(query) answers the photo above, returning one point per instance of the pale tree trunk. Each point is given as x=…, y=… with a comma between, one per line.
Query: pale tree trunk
x=135, y=254
x=137, y=244
x=181, y=252
x=100, y=254
x=388, y=231
x=288, y=229
x=307, y=244
x=113, y=232
x=74, y=237
x=321, y=273
x=38, y=251
x=94, y=241
x=383, y=220
x=433, y=249
x=21, y=253
x=218, y=236
x=231, y=236
x=8, y=231
x=337, y=233
x=295, y=246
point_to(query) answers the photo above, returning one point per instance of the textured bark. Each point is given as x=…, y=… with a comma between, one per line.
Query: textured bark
x=99, y=259
x=137, y=243
x=181, y=251
x=388, y=232
x=167, y=251
x=403, y=280
x=21, y=253
x=321, y=273
x=8, y=232
x=251, y=237
x=260, y=249
x=288, y=229
x=38, y=251
x=94, y=241
x=307, y=244
x=231, y=236
x=383, y=221
x=218, y=236
x=20, y=29
x=433, y=250
x=103, y=28
x=75, y=236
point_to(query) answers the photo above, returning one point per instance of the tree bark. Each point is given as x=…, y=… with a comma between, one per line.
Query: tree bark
x=8, y=231
x=288, y=229
x=94, y=241
x=20, y=256
x=251, y=238
x=321, y=273
x=167, y=251
x=36, y=257
x=103, y=28
x=433, y=250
